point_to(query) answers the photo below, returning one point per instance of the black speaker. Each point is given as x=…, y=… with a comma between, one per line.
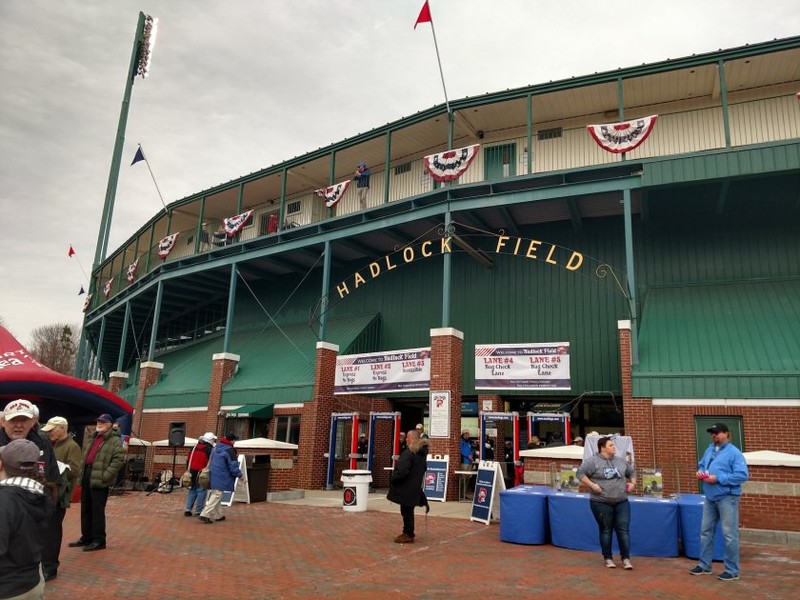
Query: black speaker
x=177, y=437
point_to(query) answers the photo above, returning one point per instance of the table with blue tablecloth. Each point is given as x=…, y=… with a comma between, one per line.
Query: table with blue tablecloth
x=523, y=511
x=653, y=527
x=690, y=512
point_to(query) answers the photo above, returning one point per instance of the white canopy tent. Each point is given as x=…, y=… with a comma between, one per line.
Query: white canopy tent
x=188, y=443
x=261, y=443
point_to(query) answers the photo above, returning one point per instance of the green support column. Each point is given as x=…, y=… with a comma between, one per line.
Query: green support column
x=723, y=94
x=79, y=357
x=388, y=162
x=446, y=266
x=169, y=223
x=200, y=225
x=150, y=247
x=239, y=198
x=630, y=272
x=530, y=133
x=326, y=284
x=226, y=344
x=331, y=177
x=124, y=338
x=621, y=107
x=451, y=118
x=282, y=214
x=98, y=362
x=151, y=350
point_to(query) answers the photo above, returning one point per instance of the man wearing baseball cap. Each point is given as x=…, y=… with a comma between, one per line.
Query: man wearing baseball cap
x=722, y=470
x=102, y=458
x=24, y=516
x=68, y=452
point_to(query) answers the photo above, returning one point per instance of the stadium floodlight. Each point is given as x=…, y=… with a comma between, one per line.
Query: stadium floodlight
x=146, y=47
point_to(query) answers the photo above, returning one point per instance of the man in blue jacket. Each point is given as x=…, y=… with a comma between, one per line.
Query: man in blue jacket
x=722, y=470
x=223, y=471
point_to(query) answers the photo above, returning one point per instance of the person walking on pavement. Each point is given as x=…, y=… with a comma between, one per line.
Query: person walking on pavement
x=406, y=484
x=102, y=459
x=68, y=452
x=223, y=472
x=723, y=470
x=197, y=461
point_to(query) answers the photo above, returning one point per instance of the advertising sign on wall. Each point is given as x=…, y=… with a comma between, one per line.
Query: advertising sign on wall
x=439, y=411
x=380, y=372
x=522, y=366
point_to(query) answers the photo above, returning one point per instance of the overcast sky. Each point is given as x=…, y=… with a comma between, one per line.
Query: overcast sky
x=239, y=86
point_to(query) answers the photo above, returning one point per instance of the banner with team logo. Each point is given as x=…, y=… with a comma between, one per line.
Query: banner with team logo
x=334, y=193
x=379, y=372
x=522, y=366
x=622, y=137
x=450, y=164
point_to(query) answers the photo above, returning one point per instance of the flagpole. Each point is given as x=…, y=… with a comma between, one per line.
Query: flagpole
x=439, y=60
x=147, y=162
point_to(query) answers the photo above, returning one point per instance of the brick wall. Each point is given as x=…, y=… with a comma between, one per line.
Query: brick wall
x=116, y=381
x=223, y=366
x=447, y=346
x=149, y=372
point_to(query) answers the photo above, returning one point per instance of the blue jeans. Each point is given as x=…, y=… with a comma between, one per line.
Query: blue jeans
x=726, y=512
x=197, y=496
x=613, y=517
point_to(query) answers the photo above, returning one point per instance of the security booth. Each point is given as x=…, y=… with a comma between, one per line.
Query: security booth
x=499, y=428
x=343, y=445
x=393, y=418
x=544, y=425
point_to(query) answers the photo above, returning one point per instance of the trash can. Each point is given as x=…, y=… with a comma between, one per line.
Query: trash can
x=258, y=478
x=356, y=489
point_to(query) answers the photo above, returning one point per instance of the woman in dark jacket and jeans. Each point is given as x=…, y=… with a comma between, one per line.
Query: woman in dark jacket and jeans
x=406, y=484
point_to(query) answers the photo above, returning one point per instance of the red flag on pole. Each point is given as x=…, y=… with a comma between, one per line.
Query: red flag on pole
x=424, y=15
x=71, y=252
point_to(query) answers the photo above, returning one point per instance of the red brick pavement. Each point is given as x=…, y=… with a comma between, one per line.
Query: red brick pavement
x=269, y=550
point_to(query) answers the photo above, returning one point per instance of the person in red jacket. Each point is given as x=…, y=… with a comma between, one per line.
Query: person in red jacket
x=197, y=461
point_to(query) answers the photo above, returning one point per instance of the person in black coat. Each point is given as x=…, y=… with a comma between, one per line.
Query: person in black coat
x=406, y=484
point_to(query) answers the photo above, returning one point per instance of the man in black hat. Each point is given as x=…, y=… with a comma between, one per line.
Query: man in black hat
x=722, y=470
x=102, y=458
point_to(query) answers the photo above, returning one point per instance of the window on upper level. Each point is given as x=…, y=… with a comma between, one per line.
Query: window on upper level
x=549, y=134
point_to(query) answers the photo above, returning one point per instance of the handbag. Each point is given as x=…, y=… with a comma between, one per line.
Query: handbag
x=186, y=479
x=204, y=477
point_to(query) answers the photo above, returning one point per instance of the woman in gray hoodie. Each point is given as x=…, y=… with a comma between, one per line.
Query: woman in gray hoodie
x=605, y=475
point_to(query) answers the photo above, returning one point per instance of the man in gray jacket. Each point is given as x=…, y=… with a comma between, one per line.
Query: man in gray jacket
x=605, y=475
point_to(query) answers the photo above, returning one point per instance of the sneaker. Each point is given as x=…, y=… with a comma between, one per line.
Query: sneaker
x=627, y=564
x=610, y=564
x=206, y=520
x=698, y=570
x=728, y=577
x=187, y=513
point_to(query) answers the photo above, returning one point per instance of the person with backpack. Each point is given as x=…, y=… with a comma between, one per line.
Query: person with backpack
x=196, y=462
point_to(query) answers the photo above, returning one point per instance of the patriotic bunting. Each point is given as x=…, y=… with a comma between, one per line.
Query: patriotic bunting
x=333, y=194
x=132, y=268
x=166, y=244
x=234, y=224
x=622, y=137
x=450, y=164
x=87, y=302
x=107, y=287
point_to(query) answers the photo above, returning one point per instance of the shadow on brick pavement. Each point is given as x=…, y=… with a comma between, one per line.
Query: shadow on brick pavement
x=271, y=550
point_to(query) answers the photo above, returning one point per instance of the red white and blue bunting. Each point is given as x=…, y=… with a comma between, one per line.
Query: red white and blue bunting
x=132, y=268
x=107, y=287
x=622, y=137
x=334, y=193
x=165, y=245
x=87, y=302
x=232, y=225
x=450, y=164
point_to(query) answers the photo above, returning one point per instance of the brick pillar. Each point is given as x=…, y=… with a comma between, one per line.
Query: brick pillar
x=637, y=412
x=447, y=348
x=223, y=366
x=382, y=449
x=116, y=381
x=149, y=372
x=315, y=422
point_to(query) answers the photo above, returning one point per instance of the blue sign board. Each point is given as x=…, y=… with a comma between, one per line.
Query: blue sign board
x=435, y=482
x=484, y=494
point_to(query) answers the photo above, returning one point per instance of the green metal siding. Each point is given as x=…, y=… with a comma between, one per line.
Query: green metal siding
x=719, y=165
x=736, y=340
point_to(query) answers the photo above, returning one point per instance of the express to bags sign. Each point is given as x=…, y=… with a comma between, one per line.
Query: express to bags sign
x=522, y=366
x=378, y=372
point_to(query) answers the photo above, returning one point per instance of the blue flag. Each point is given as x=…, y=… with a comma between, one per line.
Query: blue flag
x=138, y=156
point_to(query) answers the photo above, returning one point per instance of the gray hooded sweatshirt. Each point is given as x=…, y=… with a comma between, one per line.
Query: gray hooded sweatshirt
x=610, y=474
